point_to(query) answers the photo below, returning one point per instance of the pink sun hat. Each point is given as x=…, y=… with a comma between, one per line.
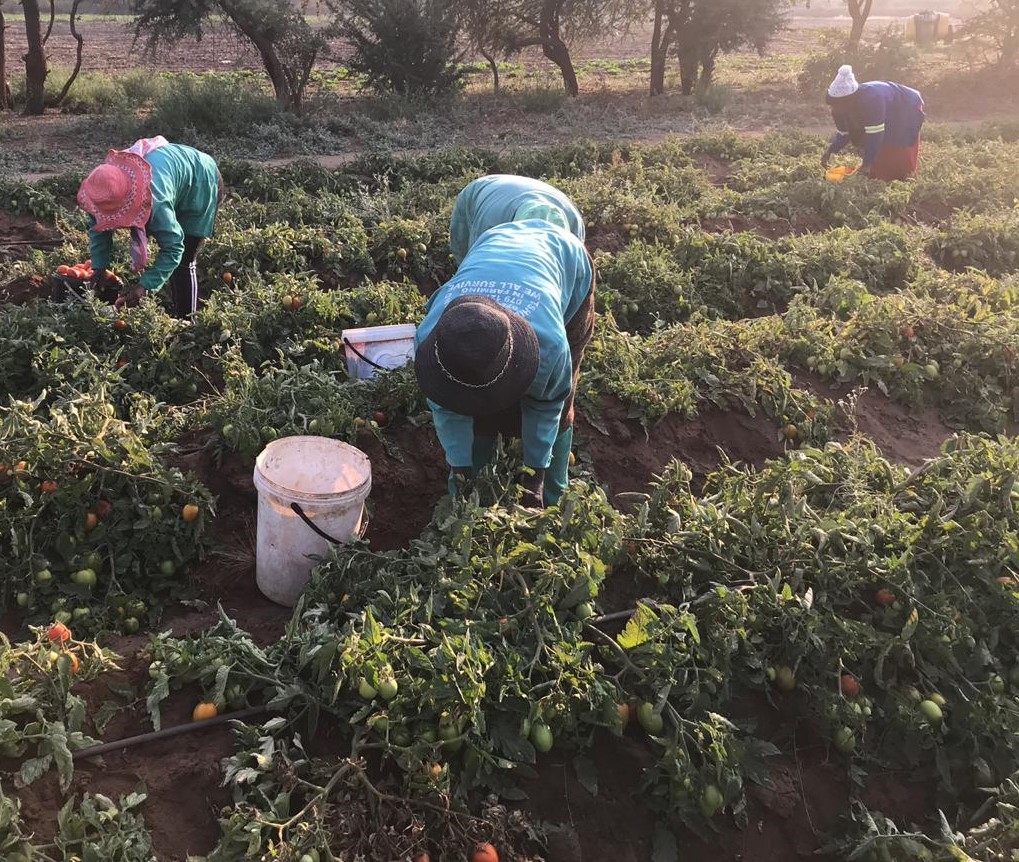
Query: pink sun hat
x=118, y=193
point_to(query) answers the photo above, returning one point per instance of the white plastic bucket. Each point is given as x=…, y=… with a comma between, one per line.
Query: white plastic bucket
x=329, y=481
x=388, y=346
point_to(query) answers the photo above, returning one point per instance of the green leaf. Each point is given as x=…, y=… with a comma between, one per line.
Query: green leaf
x=636, y=631
x=372, y=632
x=663, y=845
x=62, y=756
x=160, y=691
x=34, y=768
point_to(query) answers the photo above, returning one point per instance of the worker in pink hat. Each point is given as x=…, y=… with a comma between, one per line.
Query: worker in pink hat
x=167, y=191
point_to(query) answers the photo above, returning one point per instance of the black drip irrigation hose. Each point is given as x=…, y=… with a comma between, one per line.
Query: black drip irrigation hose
x=165, y=733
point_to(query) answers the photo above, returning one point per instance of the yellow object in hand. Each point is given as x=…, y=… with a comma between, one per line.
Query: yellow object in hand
x=838, y=173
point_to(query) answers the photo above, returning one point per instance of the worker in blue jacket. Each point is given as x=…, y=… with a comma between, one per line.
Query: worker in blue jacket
x=499, y=198
x=500, y=348
x=879, y=118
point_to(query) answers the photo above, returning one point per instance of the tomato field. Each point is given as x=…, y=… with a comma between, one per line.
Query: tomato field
x=775, y=614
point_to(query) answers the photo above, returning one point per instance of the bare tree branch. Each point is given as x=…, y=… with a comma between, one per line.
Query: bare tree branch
x=53, y=18
x=77, y=60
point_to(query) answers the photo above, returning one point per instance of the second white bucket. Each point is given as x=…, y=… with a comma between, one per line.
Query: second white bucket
x=329, y=481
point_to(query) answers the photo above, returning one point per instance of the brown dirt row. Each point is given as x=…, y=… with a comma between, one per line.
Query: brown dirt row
x=183, y=775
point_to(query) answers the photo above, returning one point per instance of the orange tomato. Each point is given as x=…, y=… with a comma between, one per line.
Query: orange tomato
x=58, y=633
x=63, y=269
x=74, y=661
x=624, y=714
x=908, y=332
x=120, y=323
x=91, y=521
x=228, y=277
x=484, y=852
x=190, y=513
x=884, y=597
x=204, y=711
x=49, y=487
x=850, y=686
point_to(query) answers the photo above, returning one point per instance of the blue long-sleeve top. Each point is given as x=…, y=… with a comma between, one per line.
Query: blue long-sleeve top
x=891, y=114
x=498, y=198
x=542, y=273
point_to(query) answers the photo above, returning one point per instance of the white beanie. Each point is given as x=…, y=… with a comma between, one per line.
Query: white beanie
x=845, y=83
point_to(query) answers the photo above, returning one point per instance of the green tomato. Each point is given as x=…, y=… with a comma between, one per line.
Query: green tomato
x=388, y=688
x=932, y=713
x=845, y=740
x=62, y=617
x=131, y=625
x=770, y=673
x=80, y=613
x=541, y=738
x=584, y=611
x=93, y=561
x=22, y=600
x=84, y=578
x=43, y=576
x=168, y=568
x=937, y=698
x=650, y=720
x=711, y=800
x=997, y=684
x=366, y=689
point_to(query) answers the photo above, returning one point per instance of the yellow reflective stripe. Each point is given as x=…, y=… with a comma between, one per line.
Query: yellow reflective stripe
x=874, y=130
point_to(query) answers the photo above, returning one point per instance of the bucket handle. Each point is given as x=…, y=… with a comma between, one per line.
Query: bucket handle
x=296, y=508
x=361, y=356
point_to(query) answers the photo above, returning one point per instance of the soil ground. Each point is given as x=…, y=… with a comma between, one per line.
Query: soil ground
x=785, y=820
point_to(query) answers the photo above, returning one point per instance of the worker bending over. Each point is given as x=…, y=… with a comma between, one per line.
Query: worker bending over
x=880, y=119
x=501, y=343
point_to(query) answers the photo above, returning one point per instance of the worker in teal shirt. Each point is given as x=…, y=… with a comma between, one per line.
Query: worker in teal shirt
x=500, y=347
x=500, y=198
x=167, y=191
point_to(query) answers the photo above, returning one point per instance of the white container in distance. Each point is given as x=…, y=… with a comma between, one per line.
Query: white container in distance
x=387, y=346
x=329, y=481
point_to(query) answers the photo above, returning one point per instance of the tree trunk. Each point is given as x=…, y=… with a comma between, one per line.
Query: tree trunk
x=859, y=11
x=708, y=59
x=6, y=101
x=555, y=49
x=288, y=93
x=494, y=67
x=35, y=60
x=660, y=39
x=689, y=61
